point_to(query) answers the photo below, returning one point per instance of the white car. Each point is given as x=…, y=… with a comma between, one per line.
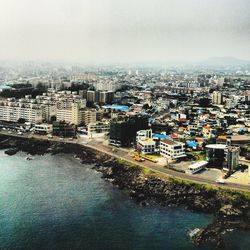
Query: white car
x=220, y=181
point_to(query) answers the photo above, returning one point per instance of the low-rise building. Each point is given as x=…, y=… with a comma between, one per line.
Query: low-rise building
x=145, y=143
x=98, y=127
x=43, y=128
x=172, y=149
x=146, y=146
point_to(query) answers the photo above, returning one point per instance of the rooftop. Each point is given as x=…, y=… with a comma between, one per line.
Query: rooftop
x=240, y=138
x=170, y=142
x=217, y=146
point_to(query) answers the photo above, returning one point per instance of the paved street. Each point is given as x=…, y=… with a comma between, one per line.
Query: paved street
x=122, y=154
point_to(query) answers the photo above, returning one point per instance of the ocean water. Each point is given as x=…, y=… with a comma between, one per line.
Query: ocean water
x=54, y=202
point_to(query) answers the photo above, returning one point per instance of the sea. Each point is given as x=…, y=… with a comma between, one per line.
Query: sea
x=54, y=202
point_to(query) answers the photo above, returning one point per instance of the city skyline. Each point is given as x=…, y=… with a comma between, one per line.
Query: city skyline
x=111, y=31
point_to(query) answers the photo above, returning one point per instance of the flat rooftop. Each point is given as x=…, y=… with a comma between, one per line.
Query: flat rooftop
x=171, y=142
x=240, y=138
x=217, y=146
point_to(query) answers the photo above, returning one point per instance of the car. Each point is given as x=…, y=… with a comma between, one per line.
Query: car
x=220, y=181
x=20, y=133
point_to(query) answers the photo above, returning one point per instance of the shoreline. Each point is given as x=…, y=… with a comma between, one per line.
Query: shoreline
x=231, y=209
x=99, y=148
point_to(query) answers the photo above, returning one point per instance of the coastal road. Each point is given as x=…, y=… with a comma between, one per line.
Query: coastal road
x=169, y=172
x=122, y=154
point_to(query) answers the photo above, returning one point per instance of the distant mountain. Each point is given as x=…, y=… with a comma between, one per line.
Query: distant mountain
x=225, y=61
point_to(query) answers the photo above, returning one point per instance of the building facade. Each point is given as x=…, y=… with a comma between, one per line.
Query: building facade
x=172, y=149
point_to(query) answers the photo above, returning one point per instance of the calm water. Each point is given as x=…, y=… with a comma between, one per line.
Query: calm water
x=53, y=202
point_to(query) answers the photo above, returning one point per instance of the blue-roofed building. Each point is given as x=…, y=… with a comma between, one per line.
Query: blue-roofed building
x=116, y=107
x=161, y=136
x=192, y=144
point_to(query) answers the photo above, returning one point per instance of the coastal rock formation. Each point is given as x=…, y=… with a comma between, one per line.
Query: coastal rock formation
x=231, y=209
x=11, y=151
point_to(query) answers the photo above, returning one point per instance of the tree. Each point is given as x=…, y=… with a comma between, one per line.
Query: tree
x=21, y=120
x=204, y=102
x=146, y=106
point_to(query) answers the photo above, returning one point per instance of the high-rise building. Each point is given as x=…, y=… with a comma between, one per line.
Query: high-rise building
x=123, y=133
x=91, y=96
x=217, y=98
x=105, y=97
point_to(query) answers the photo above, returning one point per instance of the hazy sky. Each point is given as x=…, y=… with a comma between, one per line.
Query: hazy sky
x=94, y=31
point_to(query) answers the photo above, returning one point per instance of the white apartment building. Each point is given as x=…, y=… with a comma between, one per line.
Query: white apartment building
x=76, y=115
x=172, y=149
x=88, y=116
x=12, y=111
x=107, y=85
x=48, y=111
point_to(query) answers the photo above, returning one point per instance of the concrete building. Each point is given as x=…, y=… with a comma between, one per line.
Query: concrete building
x=12, y=111
x=217, y=98
x=233, y=154
x=91, y=96
x=123, y=132
x=216, y=154
x=43, y=128
x=98, y=127
x=48, y=111
x=76, y=115
x=88, y=116
x=144, y=142
x=172, y=149
x=107, y=85
x=105, y=97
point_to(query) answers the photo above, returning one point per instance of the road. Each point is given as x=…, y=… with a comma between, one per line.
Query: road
x=169, y=172
x=122, y=154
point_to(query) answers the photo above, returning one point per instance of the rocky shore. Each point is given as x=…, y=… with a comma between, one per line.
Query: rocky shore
x=231, y=209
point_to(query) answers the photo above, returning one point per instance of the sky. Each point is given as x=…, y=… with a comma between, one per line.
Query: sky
x=124, y=31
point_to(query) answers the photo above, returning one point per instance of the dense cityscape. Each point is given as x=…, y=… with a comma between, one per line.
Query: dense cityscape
x=125, y=125
x=180, y=118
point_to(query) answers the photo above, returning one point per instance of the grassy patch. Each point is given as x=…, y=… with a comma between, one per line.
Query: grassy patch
x=192, y=184
x=152, y=157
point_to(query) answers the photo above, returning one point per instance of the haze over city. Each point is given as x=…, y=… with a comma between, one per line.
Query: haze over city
x=116, y=31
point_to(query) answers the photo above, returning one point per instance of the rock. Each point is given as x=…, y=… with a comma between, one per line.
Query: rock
x=228, y=211
x=11, y=151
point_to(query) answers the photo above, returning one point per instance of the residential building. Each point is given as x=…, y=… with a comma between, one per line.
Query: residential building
x=12, y=111
x=217, y=98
